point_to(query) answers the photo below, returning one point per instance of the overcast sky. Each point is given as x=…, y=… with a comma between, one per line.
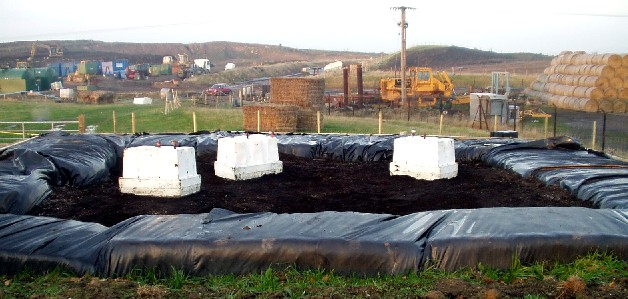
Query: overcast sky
x=534, y=26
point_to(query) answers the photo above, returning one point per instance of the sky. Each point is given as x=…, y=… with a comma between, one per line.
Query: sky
x=533, y=26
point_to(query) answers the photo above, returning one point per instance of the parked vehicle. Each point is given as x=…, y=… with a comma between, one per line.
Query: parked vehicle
x=219, y=89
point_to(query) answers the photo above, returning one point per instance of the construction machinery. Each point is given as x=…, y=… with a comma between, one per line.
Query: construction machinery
x=53, y=51
x=430, y=89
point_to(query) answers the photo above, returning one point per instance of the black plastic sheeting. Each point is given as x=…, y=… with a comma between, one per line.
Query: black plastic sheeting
x=222, y=242
x=225, y=242
x=562, y=161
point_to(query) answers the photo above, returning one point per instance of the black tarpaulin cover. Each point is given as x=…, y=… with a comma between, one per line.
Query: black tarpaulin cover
x=42, y=243
x=223, y=242
x=24, y=176
x=80, y=159
x=345, y=242
x=495, y=236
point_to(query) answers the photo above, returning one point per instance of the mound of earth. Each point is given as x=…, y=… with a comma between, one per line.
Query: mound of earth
x=313, y=185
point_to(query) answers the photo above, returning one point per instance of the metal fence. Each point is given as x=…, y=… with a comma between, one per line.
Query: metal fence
x=11, y=132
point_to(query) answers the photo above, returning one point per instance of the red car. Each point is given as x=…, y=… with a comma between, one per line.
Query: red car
x=219, y=89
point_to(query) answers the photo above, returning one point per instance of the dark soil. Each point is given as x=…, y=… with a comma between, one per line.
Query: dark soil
x=314, y=185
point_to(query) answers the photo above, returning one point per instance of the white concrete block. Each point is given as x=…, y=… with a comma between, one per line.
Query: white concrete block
x=142, y=101
x=247, y=157
x=163, y=171
x=428, y=158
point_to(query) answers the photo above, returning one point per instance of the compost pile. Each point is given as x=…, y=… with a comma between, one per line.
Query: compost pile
x=314, y=185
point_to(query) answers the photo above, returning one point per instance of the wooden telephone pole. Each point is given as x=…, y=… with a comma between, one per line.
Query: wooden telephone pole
x=403, y=24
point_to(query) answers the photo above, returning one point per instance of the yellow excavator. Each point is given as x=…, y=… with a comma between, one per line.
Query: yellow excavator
x=428, y=87
x=53, y=51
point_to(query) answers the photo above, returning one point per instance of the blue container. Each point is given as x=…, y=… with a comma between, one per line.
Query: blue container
x=56, y=66
x=120, y=65
x=67, y=68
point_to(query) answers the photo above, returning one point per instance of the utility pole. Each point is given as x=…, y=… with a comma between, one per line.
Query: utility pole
x=403, y=24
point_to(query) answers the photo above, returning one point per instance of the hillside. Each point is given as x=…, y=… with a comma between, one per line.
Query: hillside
x=468, y=60
x=247, y=55
x=218, y=52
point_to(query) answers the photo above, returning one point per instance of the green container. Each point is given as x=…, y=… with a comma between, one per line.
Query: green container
x=88, y=67
x=44, y=77
x=16, y=80
x=166, y=69
x=155, y=69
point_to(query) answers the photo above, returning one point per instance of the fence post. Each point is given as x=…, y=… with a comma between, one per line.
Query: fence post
x=81, y=120
x=259, y=120
x=555, y=116
x=546, y=121
x=494, y=123
x=114, y=121
x=194, y=121
x=133, y=122
x=380, y=122
x=604, y=132
x=440, y=127
x=318, y=122
x=23, y=131
x=593, y=134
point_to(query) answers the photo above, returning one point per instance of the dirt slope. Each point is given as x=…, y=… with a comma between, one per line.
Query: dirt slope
x=246, y=54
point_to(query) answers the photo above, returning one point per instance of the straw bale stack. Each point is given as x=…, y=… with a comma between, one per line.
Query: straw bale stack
x=302, y=92
x=308, y=120
x=294, y=103
x=585, y=82
x=276, y=118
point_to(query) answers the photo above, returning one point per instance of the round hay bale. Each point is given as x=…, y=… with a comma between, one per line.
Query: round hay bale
x=623, y=93
x=610, y=93
x=593, y=93
x=593, y=81
x=588, y=105
x=559, y=101
x=616, y=82
x=625, y=60
x=583, y=59
x=545, y=77
x=538, y=86
x=622, y=72
x=619, y=106
x=612, y=60
x=606, y=105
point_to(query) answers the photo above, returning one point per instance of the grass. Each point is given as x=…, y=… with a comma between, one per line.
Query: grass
x=219, y=115
x=594, y=275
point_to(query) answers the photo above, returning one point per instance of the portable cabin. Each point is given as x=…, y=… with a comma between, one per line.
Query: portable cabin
x=16, y=80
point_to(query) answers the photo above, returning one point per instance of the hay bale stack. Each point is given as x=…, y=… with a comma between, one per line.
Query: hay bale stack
x=276, y=118
x=94, y=97
x=303, y=92
x=294, y=101
x=308, y=120
x=585, y=82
